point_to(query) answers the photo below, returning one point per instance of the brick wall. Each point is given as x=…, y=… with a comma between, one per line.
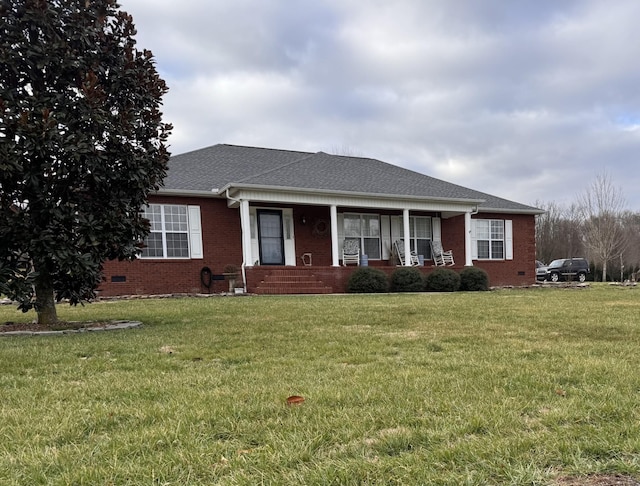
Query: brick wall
x=520, y=270
x=314, y=235
x=221, y=236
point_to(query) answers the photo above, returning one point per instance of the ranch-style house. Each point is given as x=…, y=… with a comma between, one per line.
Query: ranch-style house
x=283, y=218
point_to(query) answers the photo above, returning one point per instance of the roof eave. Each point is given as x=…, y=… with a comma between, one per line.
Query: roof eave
x=218, y=193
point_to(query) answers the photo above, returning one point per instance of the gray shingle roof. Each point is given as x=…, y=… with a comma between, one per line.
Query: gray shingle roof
x=214, y=168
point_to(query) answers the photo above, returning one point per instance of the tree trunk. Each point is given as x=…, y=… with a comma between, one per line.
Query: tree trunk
x=604, y=271
x=45, y=303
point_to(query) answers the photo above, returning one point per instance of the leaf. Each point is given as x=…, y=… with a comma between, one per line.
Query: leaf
x=295, y=400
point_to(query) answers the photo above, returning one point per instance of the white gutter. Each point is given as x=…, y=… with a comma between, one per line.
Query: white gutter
x=395, y=197
x=187, y=192
x=509, y=211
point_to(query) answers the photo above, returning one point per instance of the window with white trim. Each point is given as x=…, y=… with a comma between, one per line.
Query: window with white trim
x=169, y=236
x=420, y=235
x=365, y=228
x=490, y=239
x=422, y=231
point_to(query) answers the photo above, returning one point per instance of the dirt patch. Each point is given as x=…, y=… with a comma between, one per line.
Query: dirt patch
x=597, y=480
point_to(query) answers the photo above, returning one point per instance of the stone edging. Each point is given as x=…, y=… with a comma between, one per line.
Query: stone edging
x=5, y=301
x=112, y=326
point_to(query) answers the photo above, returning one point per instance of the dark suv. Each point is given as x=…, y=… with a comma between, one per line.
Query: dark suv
x=568, y=269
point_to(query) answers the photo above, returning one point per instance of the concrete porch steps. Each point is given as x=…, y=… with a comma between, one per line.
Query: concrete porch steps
x=285, y=281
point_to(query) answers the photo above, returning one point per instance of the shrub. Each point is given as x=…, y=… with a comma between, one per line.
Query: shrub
x=367, y=280
x=442, y=280
x=474, y=279
x=407, y=279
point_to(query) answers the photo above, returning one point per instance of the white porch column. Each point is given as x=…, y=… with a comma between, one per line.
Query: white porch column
x=335, y=254
x=467, y=240
x=407, y=237
x=245, y=224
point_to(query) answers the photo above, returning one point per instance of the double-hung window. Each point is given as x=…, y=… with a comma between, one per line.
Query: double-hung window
x=490, y=239
x=175, y=229
x=365, y=228
x=420, y=235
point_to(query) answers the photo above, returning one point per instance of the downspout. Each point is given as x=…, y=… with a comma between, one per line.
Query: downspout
x=242, y=269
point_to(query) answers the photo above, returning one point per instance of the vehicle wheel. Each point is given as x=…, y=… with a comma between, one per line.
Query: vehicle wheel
x=555, y=277
x=582, y=277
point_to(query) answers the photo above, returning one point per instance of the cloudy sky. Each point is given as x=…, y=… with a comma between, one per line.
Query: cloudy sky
x=525, y=99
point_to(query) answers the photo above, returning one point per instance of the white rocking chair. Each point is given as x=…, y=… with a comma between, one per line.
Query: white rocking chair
x=413, y=256
x=350, y=252
x=441, y=257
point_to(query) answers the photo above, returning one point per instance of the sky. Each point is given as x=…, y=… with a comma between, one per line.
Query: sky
x=529, y=100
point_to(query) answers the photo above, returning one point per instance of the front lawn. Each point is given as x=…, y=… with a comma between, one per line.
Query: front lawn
x=505, y=387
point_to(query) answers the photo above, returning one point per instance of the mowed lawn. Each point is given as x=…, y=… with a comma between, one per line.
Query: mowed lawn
x=502, y=387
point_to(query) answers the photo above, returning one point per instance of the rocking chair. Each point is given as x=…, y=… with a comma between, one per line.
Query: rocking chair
x=413, y=256
x=441, y=257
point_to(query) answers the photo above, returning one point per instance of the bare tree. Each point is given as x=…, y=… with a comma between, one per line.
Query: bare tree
x=631, y=257
x=601, y=208
x=573, y=240
x=346, y=150
x=558, y=232
x=547, y=231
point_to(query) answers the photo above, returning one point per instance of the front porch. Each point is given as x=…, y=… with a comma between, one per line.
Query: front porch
x=281, y=234
x=297, y=248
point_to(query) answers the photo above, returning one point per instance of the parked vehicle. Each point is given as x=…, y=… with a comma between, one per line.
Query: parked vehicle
x=541, y=270
x=568, y=269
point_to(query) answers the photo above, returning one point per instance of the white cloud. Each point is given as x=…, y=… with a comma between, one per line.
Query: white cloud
x=509, y=98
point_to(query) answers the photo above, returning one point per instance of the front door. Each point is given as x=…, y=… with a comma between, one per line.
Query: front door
x=270, y=237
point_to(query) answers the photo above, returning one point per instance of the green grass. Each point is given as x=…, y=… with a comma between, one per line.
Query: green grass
x=504, y=387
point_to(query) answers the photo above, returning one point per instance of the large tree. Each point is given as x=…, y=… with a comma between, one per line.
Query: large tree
x=82, y=143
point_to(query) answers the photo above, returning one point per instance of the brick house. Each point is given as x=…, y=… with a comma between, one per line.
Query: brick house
x=281, y=217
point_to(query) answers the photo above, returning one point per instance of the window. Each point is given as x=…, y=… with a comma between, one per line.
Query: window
x=365, y=228
x=490, y=239
x=170, y=234
x=420, y=235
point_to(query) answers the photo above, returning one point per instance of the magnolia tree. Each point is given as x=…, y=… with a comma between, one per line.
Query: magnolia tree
x=82, y=143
